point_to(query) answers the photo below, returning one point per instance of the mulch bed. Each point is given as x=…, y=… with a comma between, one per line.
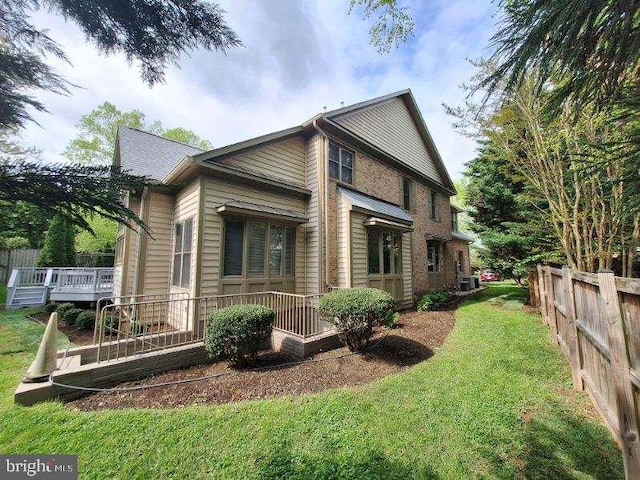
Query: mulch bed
x=77, y=337
x=415, y=339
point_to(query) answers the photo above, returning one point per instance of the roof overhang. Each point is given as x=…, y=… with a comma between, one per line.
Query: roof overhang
x=261, y=211
x=383, y=222
x=457, y=235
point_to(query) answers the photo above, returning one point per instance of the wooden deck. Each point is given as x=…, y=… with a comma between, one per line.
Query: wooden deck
x=32, y=287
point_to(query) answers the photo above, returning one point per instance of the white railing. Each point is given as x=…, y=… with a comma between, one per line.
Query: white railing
x=27, y=277
x=89, y=279
x=129, y=328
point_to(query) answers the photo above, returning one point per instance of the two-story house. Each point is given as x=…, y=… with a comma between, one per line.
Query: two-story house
x=353, y=197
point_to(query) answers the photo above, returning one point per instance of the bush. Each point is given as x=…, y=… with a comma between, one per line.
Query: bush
x=50, y=308
x=111, y=324
x=15, y=243
x=434, y=300
x=137, y=328
x=355, y=312
x=71, y=315
x=238, y=332
x=63, y=308
x=85, y=320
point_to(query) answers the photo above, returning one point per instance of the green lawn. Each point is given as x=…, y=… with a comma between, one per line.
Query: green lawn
x=494, y=402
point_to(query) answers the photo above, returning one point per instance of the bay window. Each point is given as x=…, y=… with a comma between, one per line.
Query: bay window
x=258, y=249
x=384, y=252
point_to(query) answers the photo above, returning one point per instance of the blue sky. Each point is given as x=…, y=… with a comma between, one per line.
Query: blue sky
x=298, y=57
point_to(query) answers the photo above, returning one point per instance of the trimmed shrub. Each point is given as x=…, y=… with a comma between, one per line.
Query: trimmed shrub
x=63, y=308
x=111, y=324
x=137, y=328
x=434, y=300
x=85, y=320
x=71, y=315
x=237, y=333
x=50, y=308
x=355, y=311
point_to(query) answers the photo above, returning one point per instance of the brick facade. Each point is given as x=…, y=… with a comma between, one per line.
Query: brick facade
x=382, y=181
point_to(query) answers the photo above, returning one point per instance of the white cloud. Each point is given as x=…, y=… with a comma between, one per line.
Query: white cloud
x=298, y=57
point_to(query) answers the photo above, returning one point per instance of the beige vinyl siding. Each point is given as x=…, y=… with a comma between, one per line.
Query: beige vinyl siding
x=358, y=250
x=117, y=281
x=283, y=160
x=311, y=281
x=407, y=278
x=217, y=193
x=157, y=262
x=343, y=229
x=390, y=127
x=186, y=206
x=131, y=251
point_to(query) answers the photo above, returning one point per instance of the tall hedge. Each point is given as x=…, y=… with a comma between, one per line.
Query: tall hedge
x=59, y=244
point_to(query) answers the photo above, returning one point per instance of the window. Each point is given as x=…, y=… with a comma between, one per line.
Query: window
x=269, y=249
x=434, y=256
x=340, y=163
x=433, y=206
x=182, y=240
x=407, y=193
x=454, y=221
x=460, y=261
x=119, y=249
x=384, y=252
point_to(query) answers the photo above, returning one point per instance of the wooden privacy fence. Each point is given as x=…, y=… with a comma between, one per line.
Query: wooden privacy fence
x=595, y=320
x=19, y=258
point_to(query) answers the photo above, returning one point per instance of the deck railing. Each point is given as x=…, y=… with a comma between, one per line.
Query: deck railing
x=132, y=327
x=95, y=280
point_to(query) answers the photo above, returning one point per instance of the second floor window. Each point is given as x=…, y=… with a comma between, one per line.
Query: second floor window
x=454, y=222
x=340, y=163
x=433, y=205
x=407, y=193
x=182, y=240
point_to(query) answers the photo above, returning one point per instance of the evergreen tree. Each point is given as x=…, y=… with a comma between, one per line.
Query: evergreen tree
x=59, y=249
x=152, y=33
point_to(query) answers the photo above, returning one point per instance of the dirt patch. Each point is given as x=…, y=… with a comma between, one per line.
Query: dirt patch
x=415, y=339
x=77, y=337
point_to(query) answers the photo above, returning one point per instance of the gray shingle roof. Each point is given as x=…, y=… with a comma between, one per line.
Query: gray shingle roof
x=374, y=205
x=143, y=153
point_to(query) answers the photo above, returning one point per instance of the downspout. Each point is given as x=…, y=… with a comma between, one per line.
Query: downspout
x=325, y=207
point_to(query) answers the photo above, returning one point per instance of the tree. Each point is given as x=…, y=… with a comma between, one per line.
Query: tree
x=150, y=32
x=58, y=249
x=508, y=219
x=393, y=25
x=590, y=50
x=96, y=139
x=73, y=191
x=103, y=239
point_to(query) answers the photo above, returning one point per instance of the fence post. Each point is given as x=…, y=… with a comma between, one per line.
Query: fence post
x=551, y=306
x=621, y=379
x=542, y=295
x=573, y=340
